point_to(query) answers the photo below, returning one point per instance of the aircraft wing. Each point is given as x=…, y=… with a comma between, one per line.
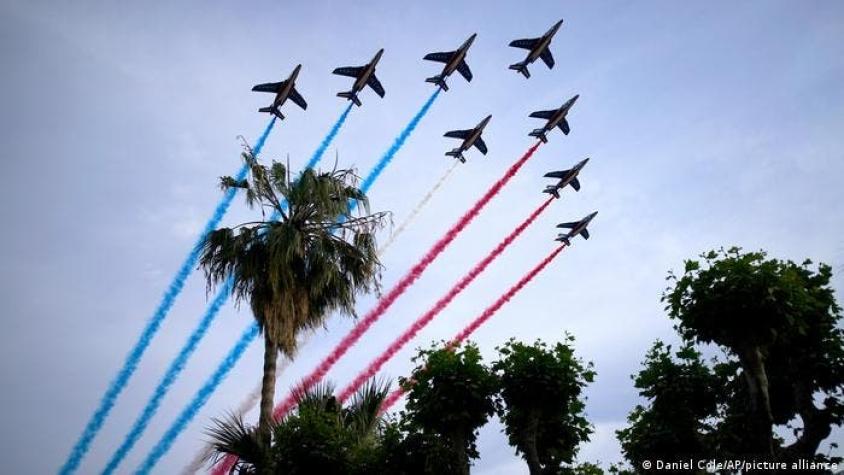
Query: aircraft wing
x=585, y=233
x=568, y=225
x=297, y=98
x=440, y=57
x=560, y=174
x=464, y=70
x=547, y=58
x=481, y=145
x=375, y=84
x=351, y=71
x=527, y=43
x=543, y=114
x=564, y=126
x=575, y=183
x=458, y=134
x=269, y=86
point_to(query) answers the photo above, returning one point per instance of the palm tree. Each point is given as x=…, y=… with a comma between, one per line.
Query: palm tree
x=294, y=270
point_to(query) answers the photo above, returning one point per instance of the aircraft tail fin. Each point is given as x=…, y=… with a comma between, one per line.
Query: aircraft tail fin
x=522, y=68
x=272, y=110
x=540, y=134
x=439, y=81
x=553, y=191
x=456, y=153
x=350, y=96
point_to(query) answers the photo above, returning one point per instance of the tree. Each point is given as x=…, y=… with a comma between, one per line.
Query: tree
x=294, y=270
x=778, y=325
x=683, y=394
x=543, y=407
x=451, y=395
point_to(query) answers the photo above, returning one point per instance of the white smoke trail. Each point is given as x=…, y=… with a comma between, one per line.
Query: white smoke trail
x=412, y=216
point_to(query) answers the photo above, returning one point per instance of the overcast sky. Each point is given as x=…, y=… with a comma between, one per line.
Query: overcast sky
x=709, y=124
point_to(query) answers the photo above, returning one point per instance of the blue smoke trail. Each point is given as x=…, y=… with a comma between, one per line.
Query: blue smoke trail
x=251, y=332
x=133, y=358
x=198, y=333
x=397, y=144
x=199, y=400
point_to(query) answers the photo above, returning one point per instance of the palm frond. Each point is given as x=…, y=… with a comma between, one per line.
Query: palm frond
x=231, y=436
x=363, y=413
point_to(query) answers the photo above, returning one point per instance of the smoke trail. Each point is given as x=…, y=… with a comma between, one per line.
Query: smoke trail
x=480, y=320
x=167, y=381
x=323, y=146
x=417, y=209
x=198, y=333
x=198, y=401
x=409, y=278
x=130, y=364
x=397, y=145
x=397, y=344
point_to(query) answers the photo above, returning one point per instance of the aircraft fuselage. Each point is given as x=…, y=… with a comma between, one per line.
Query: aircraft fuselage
x=363, y=79
x=475, y=135
x=561, y=114
x=458, y=58
x=284, y=92
x=544, y=42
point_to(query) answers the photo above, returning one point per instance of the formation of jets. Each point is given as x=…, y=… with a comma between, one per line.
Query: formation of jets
x=470, y=137
x=538, y=48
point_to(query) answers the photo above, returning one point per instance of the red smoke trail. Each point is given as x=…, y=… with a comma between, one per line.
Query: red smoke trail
x=476, y=323
x=438, y=307
x=409, y=278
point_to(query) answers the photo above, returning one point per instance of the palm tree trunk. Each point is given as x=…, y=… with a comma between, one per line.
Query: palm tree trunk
x=265, y=422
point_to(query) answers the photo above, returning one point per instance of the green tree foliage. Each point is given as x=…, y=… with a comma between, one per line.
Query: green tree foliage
x=543, y=407
x=778, y=325
x=451, y=397
x=683, y=393
x=297, y=269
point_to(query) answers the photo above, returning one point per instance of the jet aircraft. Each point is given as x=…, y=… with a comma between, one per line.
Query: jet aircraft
x=364, y=76
x=539, y=48
x=454, y=60
x=283, y=90
x=470, y=137
x=567, y=177
x=576, y=227
x=555, y=118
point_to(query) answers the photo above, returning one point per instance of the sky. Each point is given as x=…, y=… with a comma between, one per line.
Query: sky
x=708, y=124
